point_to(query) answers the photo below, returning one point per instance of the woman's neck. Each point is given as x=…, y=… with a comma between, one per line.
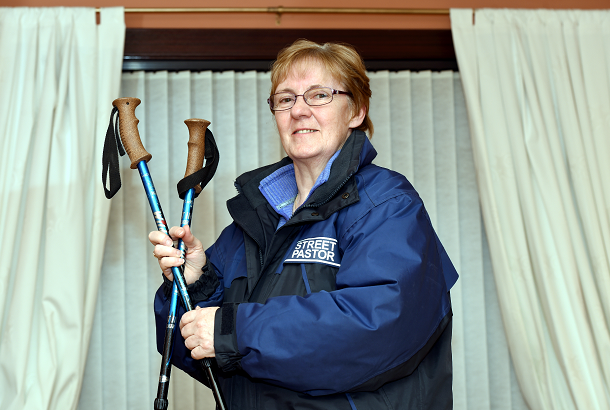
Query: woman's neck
x=306, y=176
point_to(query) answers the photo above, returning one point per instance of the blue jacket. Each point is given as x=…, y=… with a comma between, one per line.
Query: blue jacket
x=345, y=306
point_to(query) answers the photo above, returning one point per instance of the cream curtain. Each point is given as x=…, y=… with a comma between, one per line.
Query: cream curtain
x=421, y=130
x=58, y=70
x=537, y=90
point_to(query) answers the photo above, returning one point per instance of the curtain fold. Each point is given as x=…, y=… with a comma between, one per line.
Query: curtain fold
x=421, y=130
x=58, y=69
x=536, y=84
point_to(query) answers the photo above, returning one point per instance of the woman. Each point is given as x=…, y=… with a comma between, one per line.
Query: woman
x=332, y=284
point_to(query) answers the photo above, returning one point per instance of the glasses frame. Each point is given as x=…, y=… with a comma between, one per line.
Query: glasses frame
x=296, y=96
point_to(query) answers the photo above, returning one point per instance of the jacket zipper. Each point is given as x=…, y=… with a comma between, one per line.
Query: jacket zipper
x=326, y=200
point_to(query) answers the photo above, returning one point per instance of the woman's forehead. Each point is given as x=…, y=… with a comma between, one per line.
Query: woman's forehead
x=311, y=70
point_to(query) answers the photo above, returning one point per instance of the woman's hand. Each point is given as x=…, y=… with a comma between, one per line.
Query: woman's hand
x=197, y=328
x=169, y=256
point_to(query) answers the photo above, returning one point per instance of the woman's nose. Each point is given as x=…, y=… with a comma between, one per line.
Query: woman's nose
x=300, y=107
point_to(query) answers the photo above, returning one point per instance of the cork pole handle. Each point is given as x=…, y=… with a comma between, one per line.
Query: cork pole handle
x=196, y=147
x=128, y=127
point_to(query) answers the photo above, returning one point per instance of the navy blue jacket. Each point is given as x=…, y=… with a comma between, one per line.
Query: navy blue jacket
x=345, y=306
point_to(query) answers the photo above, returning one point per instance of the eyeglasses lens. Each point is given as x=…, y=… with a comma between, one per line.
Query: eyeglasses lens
x=313, y=97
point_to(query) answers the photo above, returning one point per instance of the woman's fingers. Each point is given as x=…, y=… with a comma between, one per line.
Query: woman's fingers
x=162, y=251
x=169, y=256
x=197, y=329
x=184, y=233
x=166, y=254
x=159, y=238
x=177, y=232
x=195, y=255
x=167, y=263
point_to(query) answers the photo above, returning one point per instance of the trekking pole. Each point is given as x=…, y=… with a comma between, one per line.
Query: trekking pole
x=197, y=130
x=130, y=137
x=196, y=151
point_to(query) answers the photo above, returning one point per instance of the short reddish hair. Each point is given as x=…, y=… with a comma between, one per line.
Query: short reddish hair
x=341, y=60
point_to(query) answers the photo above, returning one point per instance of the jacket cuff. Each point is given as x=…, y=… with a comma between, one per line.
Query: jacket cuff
x=201, y=289
x=205, y=286
x=228, y=357
x=167, y=287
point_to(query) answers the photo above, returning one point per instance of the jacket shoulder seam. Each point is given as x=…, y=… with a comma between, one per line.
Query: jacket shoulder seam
x=372, y=205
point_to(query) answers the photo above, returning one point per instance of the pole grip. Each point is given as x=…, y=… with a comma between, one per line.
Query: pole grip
x=128, y=127
x=196, y=147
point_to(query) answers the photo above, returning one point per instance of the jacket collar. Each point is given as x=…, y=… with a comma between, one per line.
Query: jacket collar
x=356, y=153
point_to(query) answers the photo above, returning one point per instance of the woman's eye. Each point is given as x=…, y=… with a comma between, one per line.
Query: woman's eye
x=285, y=100
x=320, y=95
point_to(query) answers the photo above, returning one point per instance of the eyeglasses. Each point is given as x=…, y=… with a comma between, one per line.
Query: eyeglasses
x=313, y=97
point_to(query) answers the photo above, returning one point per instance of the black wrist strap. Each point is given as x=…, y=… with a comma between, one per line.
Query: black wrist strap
x=110, y=156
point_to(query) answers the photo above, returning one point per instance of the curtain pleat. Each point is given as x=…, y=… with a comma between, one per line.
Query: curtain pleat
x=421, y=130
x=56, y=65
x=401, y=140
x=538, y=95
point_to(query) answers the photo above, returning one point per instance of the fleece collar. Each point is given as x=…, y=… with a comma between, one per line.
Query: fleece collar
x=356, y=153
x=280, y=188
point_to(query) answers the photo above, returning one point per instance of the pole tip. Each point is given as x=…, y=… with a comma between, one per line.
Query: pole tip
x=161, y=404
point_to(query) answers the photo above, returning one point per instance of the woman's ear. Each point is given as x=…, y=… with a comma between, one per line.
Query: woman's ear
x=357, y=119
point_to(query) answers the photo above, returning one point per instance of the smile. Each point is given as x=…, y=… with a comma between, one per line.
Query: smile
x=303, y=131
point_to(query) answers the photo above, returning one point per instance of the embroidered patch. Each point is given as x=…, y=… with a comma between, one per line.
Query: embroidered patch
x=315, y=250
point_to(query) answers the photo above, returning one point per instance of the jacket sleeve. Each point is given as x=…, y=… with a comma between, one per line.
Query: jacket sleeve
x=202, y=297
x=391, y=300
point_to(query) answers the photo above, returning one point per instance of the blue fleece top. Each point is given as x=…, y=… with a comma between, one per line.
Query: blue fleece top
x=280, y=188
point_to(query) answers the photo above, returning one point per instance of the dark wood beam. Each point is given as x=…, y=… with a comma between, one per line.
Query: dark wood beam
x=243, y=49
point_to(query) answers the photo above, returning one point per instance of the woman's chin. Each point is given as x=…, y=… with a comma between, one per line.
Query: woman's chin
x=304, y=151
x=311, y=160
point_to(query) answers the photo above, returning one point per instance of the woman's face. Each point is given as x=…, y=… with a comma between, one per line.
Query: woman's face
x=311, y=135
